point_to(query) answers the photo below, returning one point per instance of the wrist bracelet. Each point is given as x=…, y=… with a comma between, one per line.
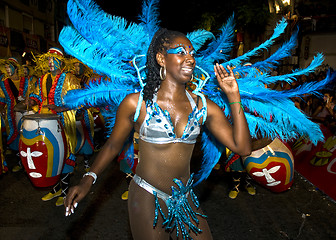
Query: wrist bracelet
x=241, y=105
x=93, y=175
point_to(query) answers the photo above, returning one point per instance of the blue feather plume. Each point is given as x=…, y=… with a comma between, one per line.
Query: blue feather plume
x=219, y=48
x=150, y=17
x=112, y=33
x=284, y=51
x=105, y=93
x=199, y=37
x=212, y=151
x=279, y=29
x=95, y=57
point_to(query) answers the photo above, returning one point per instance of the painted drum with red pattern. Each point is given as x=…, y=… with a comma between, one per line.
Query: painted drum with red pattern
x=272, y=166
x=43, y=148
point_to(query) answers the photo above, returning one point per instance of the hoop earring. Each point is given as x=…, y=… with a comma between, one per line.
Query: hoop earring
x=192, y=77
x=163, y=73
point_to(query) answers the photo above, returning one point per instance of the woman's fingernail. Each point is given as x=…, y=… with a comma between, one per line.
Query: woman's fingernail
x=75, y=205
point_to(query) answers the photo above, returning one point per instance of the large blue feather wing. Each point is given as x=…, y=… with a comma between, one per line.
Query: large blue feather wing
x=107, y=44
x=114, y=34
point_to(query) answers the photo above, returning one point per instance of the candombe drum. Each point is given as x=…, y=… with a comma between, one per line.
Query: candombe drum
x=271, y=166
x=20, y=110
x=43, y=148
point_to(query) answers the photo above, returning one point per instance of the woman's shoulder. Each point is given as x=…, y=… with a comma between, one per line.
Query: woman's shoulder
x=131, y=100
x=132, y=96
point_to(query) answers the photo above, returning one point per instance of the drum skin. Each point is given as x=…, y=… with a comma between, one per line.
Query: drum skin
x=43, y=148
x=271, y=166
x=18, y=118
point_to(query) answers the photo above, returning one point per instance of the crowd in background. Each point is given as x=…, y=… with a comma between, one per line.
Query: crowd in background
x=319, y=108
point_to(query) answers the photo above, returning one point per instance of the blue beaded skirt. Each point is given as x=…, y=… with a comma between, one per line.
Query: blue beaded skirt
x=180, y=215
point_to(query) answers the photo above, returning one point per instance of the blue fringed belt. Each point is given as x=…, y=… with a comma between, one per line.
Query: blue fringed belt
x=180, y=213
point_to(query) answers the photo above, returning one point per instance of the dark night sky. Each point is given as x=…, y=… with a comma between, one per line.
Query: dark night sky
x=181, y=15
x=184, y=15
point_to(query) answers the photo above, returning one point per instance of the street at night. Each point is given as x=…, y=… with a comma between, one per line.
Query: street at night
x=302, y=212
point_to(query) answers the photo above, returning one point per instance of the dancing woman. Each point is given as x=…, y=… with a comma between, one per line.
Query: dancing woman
x=168, y=119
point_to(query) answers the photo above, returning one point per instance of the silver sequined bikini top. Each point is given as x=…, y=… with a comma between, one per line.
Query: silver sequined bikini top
x=158, y=127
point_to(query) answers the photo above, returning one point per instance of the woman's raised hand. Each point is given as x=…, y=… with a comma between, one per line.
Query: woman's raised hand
x=226, y=80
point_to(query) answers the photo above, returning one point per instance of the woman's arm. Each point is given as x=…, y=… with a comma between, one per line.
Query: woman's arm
x=236, y=137
x=121, y=130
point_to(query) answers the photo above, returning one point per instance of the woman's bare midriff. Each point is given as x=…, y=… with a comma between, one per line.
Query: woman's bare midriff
x=161, y=163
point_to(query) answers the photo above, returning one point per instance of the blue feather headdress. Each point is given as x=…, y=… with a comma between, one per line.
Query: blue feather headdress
x=113, y=47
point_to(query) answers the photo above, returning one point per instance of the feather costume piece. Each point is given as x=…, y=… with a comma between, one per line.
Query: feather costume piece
x=150, y=17
x=116, y=48
x=220, y=47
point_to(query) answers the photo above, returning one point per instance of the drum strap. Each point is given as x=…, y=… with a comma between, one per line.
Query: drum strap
x=13, y=88
x=48, y=84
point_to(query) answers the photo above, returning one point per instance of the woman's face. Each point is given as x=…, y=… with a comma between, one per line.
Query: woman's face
x=180, y=59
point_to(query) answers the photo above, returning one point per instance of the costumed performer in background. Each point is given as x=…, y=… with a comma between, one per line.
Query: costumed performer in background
x=47, y=99
x=32, y=80
x=84, y=118
x=13, y=88
x=234, y=165
x=3, y=163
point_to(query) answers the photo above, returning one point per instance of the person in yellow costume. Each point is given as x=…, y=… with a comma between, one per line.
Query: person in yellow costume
x=84, y=117
x=100, y=132
x=3, y=164
x=32, y=78
x=234, y=165
x=13, y=89
x=47, y=99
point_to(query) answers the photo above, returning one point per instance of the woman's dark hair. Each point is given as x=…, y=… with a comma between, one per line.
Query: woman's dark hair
x=160, y=43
